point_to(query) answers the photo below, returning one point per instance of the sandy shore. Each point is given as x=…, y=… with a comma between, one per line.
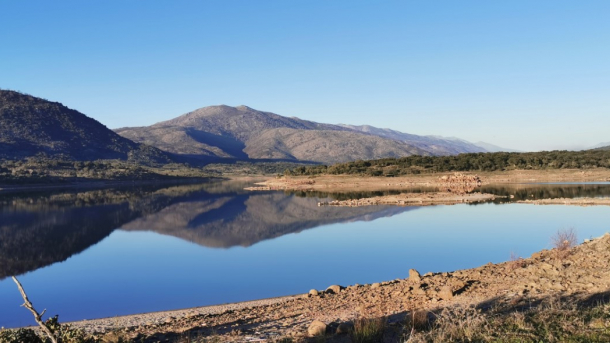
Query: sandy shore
x=569, y=201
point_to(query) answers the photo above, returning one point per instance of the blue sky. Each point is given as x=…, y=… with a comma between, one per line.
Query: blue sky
x=528, y=75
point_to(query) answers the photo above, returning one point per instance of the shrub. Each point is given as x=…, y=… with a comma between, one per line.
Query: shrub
x=563, y=241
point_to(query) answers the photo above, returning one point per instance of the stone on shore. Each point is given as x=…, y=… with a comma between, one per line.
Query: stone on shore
x=343, y=328
x=446, y=293
x=414, y=276
x=316, y=328
x=334, y=289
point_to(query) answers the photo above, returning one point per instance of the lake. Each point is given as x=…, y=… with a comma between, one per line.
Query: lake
x=86, y=254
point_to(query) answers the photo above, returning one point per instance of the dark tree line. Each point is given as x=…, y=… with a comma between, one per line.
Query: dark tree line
x=498, y=161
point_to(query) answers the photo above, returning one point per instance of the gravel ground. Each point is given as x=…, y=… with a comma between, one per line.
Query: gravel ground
x=156, y=318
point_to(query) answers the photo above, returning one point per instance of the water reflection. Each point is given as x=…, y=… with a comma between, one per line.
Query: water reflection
x=506, y=192
x=40, y=228
x=546, y=191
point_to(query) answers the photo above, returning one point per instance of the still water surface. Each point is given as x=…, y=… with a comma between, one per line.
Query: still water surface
x=103, y=253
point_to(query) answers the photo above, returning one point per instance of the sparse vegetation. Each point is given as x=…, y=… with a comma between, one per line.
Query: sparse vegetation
x=61, y=332
x=564, y=240
x=368, y=330
x=516, y=261
x=38, y=170
x=553, y=321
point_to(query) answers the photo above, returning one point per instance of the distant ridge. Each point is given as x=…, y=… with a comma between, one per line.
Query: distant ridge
x=494, y=148
x=31, y=126
x=225, y=132
x=217, y=132
x=603, y=146
x=436, y=145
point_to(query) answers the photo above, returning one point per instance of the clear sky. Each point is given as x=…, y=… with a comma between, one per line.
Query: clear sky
x=528, y=75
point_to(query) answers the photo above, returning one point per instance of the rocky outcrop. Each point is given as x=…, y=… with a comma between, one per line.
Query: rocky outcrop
x=459, y=183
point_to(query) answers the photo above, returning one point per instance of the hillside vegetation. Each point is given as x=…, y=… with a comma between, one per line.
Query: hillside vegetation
x=499, y=161
x=38, y=170
x=31, y=126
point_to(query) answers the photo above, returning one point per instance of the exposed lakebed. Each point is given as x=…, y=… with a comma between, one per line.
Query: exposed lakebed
x=103, y=253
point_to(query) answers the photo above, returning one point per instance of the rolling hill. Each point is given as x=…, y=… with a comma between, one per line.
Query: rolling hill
x=31, y=126
x=243, y=133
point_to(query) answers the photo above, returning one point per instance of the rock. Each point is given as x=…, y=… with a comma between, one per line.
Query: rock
x=446, y=293
x=376, y=285
x=414, y=276
x=334, y=289
x=540, y=254
x=344, y=328
x=314, y=293
x=316, y=328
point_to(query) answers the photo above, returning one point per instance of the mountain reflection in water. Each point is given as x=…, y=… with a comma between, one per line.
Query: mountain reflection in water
x=38, y=229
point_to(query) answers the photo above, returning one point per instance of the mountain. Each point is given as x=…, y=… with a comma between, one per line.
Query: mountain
x=603, y=146
x=241, y=132
x=31, y=126
x=494, y=148
x=436, y=145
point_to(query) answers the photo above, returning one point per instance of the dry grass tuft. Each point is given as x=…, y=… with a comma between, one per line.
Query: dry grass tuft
x=516, y=262
x=418, y=320
x=554, y=320
x=368, y=330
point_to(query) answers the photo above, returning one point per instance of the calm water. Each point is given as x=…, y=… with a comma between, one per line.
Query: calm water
x=103, y=253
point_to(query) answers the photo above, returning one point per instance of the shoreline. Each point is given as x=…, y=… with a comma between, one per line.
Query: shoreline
x=414, y=199
x=579, y=272
x=103, y=184
x=542, y=275
x=160, y=317
x=351, y=183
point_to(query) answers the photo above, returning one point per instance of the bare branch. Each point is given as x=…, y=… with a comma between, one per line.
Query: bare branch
x=37, y=317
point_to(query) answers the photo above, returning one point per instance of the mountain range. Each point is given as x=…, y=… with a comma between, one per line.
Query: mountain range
x=225, y=132
x=33, y=126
